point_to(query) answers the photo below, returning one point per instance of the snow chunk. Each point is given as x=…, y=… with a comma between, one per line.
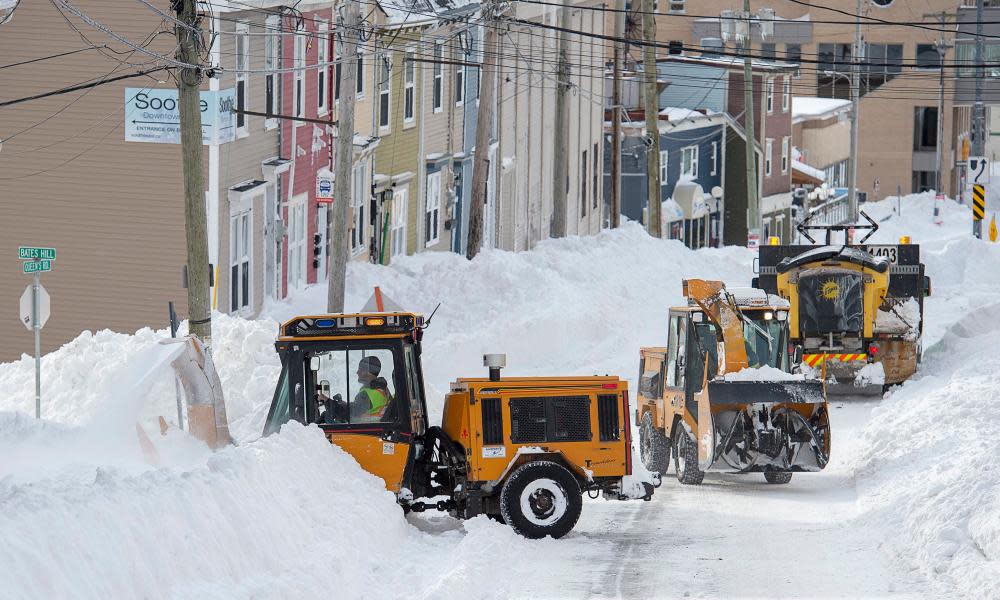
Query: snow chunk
x=870, y=374
x=765, y=373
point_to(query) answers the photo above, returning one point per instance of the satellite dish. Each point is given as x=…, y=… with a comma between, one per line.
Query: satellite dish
x=882, y=3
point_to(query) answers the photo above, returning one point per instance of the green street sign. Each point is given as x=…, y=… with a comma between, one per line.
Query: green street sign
x=29, y=253
x=37, y=266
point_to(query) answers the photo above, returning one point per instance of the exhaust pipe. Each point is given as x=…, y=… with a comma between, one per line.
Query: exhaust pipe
x=495, y=362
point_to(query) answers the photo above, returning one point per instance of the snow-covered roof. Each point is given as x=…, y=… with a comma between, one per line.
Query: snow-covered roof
x=801, y=167
x=806, y=108
x=674, y=113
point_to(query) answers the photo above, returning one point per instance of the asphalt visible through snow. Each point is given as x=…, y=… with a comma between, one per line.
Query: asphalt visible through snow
x=735, y=536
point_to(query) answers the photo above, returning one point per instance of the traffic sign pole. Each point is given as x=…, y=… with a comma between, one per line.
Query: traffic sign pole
x=37, y=325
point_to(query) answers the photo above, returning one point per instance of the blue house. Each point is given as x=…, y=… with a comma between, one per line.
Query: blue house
x=692, y=161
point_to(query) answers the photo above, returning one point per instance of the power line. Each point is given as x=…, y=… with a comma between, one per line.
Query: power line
x=81, y=86
x=51, y=56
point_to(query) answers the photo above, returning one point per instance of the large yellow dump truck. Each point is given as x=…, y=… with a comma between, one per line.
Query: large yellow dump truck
x=720, y=395
x=520, y=449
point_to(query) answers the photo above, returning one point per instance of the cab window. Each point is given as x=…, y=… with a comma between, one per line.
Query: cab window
x=682, y=338
x=672, y=353
x=352, y=386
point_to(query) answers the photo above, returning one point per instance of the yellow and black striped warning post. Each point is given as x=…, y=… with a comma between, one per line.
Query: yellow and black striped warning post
x=978, y=202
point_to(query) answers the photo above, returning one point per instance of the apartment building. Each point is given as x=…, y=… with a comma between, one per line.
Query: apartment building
x=899, y=107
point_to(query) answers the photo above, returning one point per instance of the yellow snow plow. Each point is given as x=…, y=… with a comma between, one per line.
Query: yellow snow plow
x=856, y=310
x=720, y=395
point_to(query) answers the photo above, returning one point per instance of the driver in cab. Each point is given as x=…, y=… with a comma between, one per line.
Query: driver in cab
x=369, y=403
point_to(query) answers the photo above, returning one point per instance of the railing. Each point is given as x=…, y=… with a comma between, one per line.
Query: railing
x=835, y=211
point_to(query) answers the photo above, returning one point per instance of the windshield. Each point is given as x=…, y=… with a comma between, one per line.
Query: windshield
x=765, y=341
x=356, y=384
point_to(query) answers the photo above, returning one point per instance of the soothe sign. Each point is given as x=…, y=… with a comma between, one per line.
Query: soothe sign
x=154, y=116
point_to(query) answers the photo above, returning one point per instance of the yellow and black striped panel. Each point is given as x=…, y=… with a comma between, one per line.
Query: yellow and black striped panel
x=978, y=202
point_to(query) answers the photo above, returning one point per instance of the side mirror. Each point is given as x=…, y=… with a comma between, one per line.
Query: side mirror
x=314, y=363
x=797, y=356
x=927, y=286
x=324, y=388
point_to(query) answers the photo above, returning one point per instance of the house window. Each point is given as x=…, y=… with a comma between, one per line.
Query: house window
x=384, y=85
x=928, y=57
x=714, y=158
x=360, y=87
x=689, y=162
x=596, y=176
x=786, y=94
x=769, y=92
x=460, y=78
x=397, y=232
x=767, y=51
x=433, y=213
x=675, y=7
x=663, y=167
x=323, y=72
x=583, y=184
x=242, y=64
x=272, y=80
x=793, y=53
x=768, y=147
x=925, y=128
x=300, y=63
x=409, y=88
x=784, y=154
x=438, y=92
x=336, y=75
x=240, y=252
x=358, y=202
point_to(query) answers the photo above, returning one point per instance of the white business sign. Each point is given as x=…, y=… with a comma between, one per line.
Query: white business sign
x=44, y=307
x=154, y=116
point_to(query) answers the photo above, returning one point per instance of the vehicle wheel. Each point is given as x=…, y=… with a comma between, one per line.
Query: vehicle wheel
x=654, y=447
x=541, y=498
x=777, y=477
x=686, y=458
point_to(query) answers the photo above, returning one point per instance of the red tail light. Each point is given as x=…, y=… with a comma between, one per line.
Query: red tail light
x=873, y=349
x=609, y=386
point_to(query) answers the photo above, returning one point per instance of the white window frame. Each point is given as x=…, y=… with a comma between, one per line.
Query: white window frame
x=299, y=91
x=323, y=69
x=272, y=61
x=768, y=150
x=715, y=159
x=337, y=72
x=432, y=210
x=360, y=84
x=784, y=154
x=769, y=95
x=786, y=98
x=359, y=202
x=409, y=88
x=297, y=274
x=675, y=7
x=461, y=75
x=397, y=223
x=241, y=230
x=384, y=70
x=242, y=66
x=438, y=89
x=664, y=162
x=689, y=161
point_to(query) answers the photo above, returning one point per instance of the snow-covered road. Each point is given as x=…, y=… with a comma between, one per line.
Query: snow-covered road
x=738, y=537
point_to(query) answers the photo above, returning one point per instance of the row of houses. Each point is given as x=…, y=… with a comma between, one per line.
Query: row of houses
x=97, y=174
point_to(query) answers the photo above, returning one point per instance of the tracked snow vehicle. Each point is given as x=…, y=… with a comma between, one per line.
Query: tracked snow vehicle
x=856, y=310
x=720, y=395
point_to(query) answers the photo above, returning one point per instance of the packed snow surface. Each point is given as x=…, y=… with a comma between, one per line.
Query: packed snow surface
x=909, y=508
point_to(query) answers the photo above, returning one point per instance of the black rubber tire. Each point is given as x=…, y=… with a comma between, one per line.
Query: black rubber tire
x=553, y=476
x=777, y=477
x=686, y=458
x=654, y=447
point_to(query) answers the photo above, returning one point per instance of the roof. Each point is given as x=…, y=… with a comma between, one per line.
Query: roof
x=812, y=173
x=805, y=108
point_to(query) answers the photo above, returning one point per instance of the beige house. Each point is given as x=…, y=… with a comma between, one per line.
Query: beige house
x=113, y=208
x=821, y=135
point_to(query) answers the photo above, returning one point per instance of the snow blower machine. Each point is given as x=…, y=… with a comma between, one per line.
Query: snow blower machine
x=522, y=450
x=856, y=310
x=721, y=395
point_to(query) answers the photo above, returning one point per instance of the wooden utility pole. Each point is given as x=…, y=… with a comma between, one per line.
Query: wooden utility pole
x=484, y=127
x=979, y=132
x=753, y=199
x=650, y=98
x=560, y=133
x=942, y=46
x=616, y=119
x=195, y=220
x=350, y=13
